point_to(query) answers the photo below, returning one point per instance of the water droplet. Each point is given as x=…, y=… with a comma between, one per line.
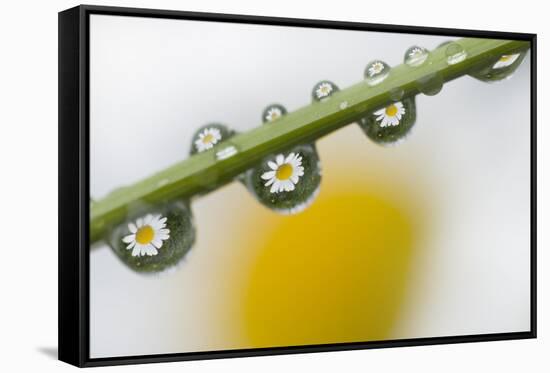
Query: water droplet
x=323, y=90
x=287, y=182
x=430, y=84
x=455, y=53
x=343, y=105
x=389, y=125
x=376, y=71
x=416, y=56
x=156, y=239
x=396, y=94
x=208, y=136
x=273, y=112
x=500, y=67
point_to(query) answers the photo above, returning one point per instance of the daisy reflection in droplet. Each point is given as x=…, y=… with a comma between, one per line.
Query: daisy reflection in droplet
x=390, y=115
x=146, y=235
x=285, y=173
x=207, y=139
x=505, y=61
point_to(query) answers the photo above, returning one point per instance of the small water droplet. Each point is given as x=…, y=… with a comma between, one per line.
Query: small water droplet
x=226, y=152
x=396, y=94
x=208, y=136
x=455, y=53
x=287, y=182
x=323, y=90
x=416, y=56
x=430, y=84
x=273, y=112
x=376, y=71
x=389, y=125
x=343, y=105
x=171, y=224
x=500, y=67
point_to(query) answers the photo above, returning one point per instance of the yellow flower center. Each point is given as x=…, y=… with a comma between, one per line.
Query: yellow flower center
x=284, y=172
x=145, y=234
x=207, y=139
x=505, y=58
x=391, y=110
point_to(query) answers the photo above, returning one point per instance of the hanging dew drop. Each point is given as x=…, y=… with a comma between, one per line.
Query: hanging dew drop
x=154, y=240
x=208, y=136
x=390, y=124
x=376, y=71
x=499, y=68
x=323, y=90
x=430, y=84
x=455, y=53
x=396, y=94
x=287, y=182
x=416, y=56
x=343, y=105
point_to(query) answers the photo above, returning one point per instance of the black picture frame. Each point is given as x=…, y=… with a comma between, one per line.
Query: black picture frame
x=74, y=184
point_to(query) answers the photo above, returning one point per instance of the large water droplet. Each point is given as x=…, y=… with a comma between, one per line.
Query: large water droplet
x=416, y=56
x=376, y=71
x=209, y=135
x=455, y=53
x=390, y=124
x=287, y=182
x=273, y=112
x=430, y=84
x=155, y=239
x=323, y=90
x=499, y=68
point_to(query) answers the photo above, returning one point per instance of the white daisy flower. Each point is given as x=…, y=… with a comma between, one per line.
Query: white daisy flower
x=147, y=235
x=273, y=114
x=376, y=68
x=505, y=60
x=323, y=90
x=390, y=115
x=285, y=173
x=208, y=138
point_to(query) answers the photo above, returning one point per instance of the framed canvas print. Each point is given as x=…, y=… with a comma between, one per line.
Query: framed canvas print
x=237, y=186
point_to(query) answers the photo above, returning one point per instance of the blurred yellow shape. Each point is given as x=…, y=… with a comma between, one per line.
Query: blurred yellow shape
x=334, y=273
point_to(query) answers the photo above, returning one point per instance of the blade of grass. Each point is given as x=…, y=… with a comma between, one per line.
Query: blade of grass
x=204, y=172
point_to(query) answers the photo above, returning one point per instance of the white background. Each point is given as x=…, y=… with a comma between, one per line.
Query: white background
x=28, y=202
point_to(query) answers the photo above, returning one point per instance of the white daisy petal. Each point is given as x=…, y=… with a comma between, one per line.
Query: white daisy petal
x=136, y=251
x=132, y=244
x=272, y=165
x=132, y=228
x=280, y=159
x=268, y=175
x=129, y=238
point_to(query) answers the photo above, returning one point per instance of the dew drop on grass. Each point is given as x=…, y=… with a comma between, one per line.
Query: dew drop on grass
x=416, y=56
x=455, y=53
x=500, y=67
x=391, y=124
x=208, y=136
x=286, y=182
x=343, y=105
x=273, y=112
x=430, y=84
x=164, y=234
x=376, y=71
x=323, y=90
